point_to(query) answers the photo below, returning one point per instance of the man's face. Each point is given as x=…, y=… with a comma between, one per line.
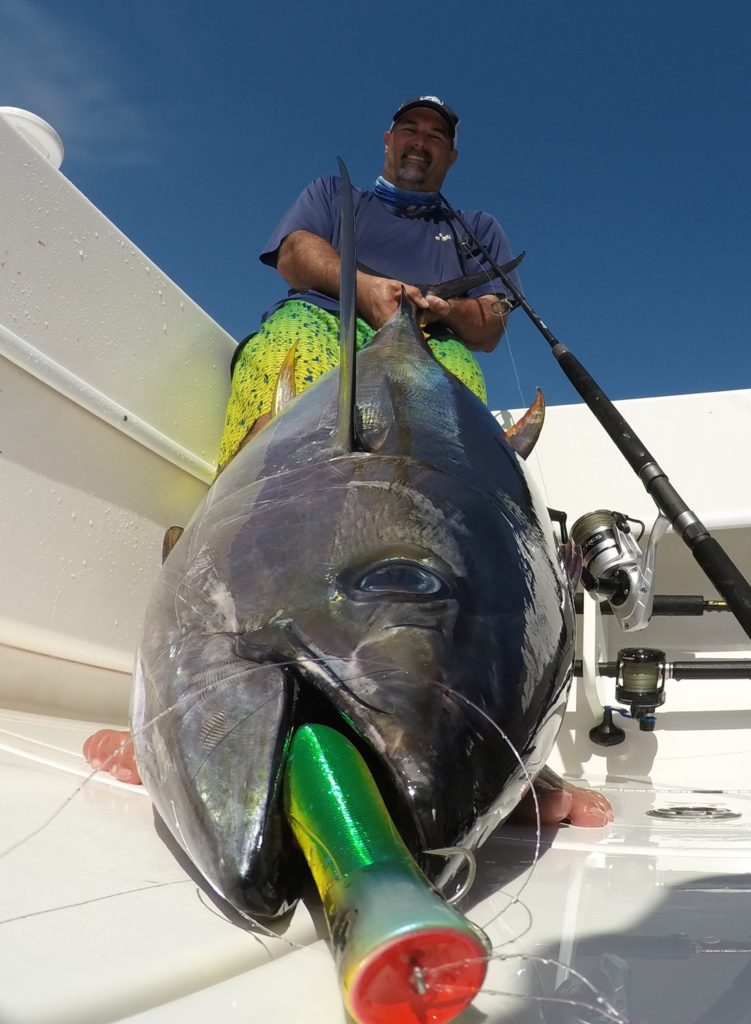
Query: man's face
x=418, y=151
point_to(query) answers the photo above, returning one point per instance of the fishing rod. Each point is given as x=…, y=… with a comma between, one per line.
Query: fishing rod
x=719, y=568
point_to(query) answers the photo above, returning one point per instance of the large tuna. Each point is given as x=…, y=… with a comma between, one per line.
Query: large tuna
x=405, y=589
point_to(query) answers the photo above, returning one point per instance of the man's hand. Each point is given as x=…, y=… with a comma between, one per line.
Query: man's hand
x=307, y=261
x=438, y=309
x=379, y=297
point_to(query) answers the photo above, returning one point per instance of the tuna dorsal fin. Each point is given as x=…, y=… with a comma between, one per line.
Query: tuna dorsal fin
x=285, y=383
x=523, y=435
x=344, y=436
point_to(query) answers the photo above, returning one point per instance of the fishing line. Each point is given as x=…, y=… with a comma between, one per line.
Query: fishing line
x=115, y=753
x=4, y=852
x=453, y=694
x=271, y=934
x=498, y=916
x=602, y=1005
x=94, y=899
x=609, y=1011
x=606, y=1012
x=472, y=253
x=515, y=898
x=256, y=925
x=259, y=931
x=524, y=402
x=203, y=899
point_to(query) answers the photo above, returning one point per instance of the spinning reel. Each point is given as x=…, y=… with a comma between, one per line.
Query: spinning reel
x=615, y=568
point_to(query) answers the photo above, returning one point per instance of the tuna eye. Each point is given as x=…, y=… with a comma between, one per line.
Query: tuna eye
x=401, y=579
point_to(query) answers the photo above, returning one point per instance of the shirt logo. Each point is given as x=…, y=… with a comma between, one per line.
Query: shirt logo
x=440, y=237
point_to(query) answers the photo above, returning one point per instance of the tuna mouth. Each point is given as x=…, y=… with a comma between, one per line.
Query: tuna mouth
x=313, y=706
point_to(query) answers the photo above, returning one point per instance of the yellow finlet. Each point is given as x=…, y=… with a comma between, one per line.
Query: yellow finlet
x=171, y=537
x=285, y=383
x=523, y=435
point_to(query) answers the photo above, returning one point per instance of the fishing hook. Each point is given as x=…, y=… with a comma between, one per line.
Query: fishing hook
x=469, y=859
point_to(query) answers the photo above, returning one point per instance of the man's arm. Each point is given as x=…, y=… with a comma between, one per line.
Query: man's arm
x=307, y=261
x=477, y=322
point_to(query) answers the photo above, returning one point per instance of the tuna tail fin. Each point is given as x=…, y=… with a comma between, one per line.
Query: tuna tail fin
x=345, y=438
x=523, y=435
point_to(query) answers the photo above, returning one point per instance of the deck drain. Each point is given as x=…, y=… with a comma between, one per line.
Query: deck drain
x=694, y=812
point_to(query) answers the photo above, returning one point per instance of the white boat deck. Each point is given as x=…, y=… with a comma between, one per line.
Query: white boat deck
x=123, y=931
x=100, y=919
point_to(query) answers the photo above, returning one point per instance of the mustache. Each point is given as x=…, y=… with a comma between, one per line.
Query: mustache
x=423, y=154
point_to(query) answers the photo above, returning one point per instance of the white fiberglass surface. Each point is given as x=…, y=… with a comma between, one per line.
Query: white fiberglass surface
x=694, y=438
x=101, y=920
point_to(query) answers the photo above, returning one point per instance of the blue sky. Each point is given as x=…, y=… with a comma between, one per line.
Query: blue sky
x=610, y=139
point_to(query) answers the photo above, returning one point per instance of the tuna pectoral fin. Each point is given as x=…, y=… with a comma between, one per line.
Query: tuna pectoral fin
x=457, y=286
x=461, y=285
x=523, y=435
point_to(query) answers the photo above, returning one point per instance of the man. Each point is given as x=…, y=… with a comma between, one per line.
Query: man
x=407, y=237
x=405, y=234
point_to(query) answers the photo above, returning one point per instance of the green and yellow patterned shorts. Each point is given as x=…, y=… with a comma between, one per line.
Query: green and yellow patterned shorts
x=316, y=332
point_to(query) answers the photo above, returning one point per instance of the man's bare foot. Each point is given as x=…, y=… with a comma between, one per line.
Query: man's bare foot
x=562, y=801
x=112, y=751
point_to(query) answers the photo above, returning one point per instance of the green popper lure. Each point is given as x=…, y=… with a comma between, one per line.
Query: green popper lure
x=403, y=955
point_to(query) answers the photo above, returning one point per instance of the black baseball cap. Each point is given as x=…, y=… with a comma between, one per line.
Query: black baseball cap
x=433, y=103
